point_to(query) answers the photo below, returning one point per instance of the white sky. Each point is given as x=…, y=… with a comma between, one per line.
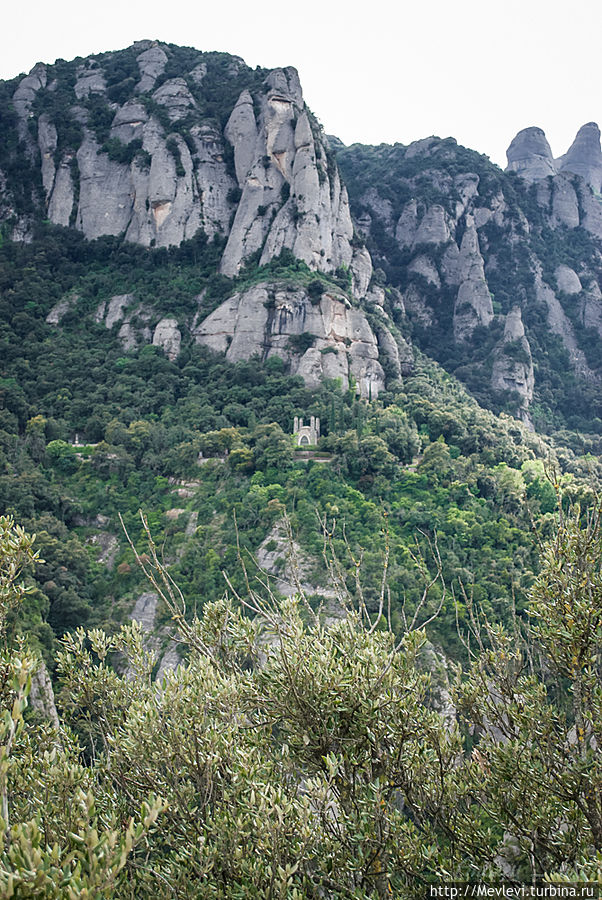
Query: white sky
x=374, y=71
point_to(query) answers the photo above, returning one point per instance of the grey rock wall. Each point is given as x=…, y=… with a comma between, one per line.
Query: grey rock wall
x=265, y=320
x=584, y=156
x=513, y=364
x=283, y=192
x=473, y=304
x=292, y=196
x=530, y=155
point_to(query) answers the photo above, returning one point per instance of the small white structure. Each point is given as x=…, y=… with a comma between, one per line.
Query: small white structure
x=306, y=435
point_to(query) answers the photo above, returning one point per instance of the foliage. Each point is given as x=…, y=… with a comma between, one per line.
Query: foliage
x=298, y=758
x=53, y=842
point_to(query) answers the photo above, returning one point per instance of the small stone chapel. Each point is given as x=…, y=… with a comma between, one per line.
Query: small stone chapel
x=306, y=435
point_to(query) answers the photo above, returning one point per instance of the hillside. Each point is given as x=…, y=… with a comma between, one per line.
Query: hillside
x=352, y=390
x=181, y=277
x=499, y=271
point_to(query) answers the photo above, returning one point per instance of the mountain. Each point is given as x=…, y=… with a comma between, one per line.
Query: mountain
x=161, y=145
x=473, y=250
x=189, y=271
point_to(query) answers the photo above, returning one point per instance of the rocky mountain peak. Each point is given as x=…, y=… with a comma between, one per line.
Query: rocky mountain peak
x=530, y=155
x=137, y=146
x=584, y=156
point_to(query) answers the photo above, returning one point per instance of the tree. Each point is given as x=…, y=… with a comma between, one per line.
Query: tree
x=308, y=752
x=54, y=842
x=534, y=696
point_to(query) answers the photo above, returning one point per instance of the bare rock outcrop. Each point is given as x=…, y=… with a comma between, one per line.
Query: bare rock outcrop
x=168, y=336
x=473, y=304
x=433, y=227
x=591, y=311
x=592, y=212
x=241, y=132
x=565, y=204
x=105, y=195
x=560, y=324
x=151, y=62
x=530, y=156
x=129, y=121
x=160, y=642
x=567, y=280
x=584, y=156
x=159, y=183
x=62, y=199
x=41, y=696
x=407, y=224
x=24, y=97
x=175, y=96
x=425, y=267
x=328, y=339
x=60, y=309
x=292, y=196
x=394, y=349
x=110, y=312
x=513, y=364
x=90, y=80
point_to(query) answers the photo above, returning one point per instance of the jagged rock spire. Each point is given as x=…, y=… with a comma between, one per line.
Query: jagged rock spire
x=530, y=155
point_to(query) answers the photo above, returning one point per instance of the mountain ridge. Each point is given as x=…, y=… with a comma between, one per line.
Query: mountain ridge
x=157, y=145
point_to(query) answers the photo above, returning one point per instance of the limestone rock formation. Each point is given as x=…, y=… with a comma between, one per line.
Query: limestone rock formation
x=530, y=156
x=407, y=224
x=283, y=191
x=241, y=132
x=168, y=336
x=158, y=641
x=112, y=311
x=176, y=98
x=151, y=62
x=592, y=212
x=560, y=324
x=433, y=228
x=327, y=340
x=24, y=96
x=425, y=267
x=417, y=306
x=513, y=364
x=60, y=309
x=170, y=189
x=584, y=156
x=473, y=304
x=567, y=280
x=565, y=204
x=292, y=197
x=105, y=199
x=591, y=311
x=90, y=80
x=394, y=349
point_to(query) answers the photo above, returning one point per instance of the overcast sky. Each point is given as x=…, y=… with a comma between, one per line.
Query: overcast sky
x=372, y=72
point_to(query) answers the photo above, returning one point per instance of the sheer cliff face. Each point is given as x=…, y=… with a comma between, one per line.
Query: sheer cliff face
x=273, y=320
x=156, y=144
x=157, y=156
x=161, y=167
x=292, y=195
